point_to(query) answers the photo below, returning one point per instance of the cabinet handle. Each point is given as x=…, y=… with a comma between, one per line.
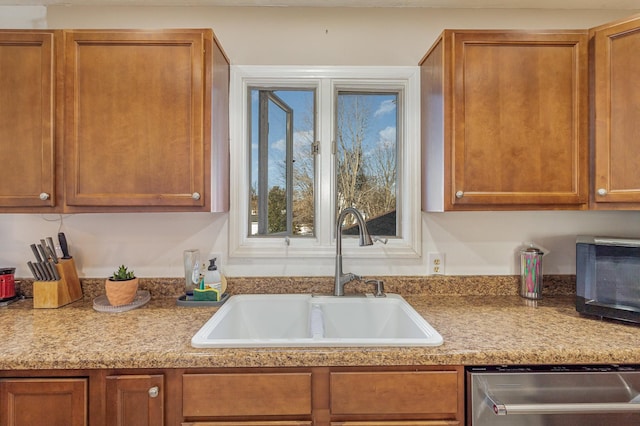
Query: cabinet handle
x=602, y=192
x=154, y=392
x=195, y=195
x=459, y=194
x=44, y=196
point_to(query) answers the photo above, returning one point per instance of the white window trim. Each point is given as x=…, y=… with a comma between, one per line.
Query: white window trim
x=326, y=79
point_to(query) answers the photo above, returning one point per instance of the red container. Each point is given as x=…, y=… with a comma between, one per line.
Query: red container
x=7, y=283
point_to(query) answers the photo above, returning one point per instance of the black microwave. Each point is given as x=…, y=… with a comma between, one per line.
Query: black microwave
x=608, y=277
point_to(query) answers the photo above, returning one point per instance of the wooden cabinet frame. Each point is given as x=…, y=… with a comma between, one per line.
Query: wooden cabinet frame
x=30, y=80
x=26, y=401
x=119, y=120
x=615, y=117
x=358, y=396
x=505, y=121
x=293, y=396
x=126, y=91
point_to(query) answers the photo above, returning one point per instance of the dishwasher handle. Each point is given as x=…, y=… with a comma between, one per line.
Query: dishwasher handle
x=501, y=409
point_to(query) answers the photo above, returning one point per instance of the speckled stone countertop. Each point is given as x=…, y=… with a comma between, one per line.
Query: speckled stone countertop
x=477, y=330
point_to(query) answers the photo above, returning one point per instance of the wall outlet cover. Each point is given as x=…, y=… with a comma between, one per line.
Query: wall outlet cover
x=435, y=263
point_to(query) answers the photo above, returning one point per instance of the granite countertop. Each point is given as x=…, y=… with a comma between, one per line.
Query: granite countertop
x=477, y=330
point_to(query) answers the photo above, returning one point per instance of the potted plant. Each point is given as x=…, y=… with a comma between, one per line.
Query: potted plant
x=121, y=287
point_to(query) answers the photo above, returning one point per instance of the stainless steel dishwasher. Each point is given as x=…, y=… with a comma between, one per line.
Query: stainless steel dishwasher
x=549, y=396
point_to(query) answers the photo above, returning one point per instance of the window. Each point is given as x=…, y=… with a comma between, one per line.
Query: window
x=365, y=155
x=282, y=136
x=306, y=143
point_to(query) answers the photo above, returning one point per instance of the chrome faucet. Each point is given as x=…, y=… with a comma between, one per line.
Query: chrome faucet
x=365, y=240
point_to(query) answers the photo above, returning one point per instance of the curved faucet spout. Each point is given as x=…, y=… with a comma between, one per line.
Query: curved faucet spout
x=365, y=240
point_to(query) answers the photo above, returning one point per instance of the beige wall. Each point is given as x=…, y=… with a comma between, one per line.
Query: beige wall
x=324, y=36
x=152, y=244
x=23, y=17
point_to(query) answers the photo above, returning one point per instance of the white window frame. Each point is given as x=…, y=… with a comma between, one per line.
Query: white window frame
x=327, y=80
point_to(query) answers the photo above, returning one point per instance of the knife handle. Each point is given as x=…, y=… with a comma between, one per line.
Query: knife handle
x=53, y=273
x=44, y=275
x=63, y=245
x=35, y=253
x=43, y=253
x=35, y=273
x=52, y=249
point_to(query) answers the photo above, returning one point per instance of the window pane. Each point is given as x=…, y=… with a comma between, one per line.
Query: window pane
x=366, y=158
x=282, y=164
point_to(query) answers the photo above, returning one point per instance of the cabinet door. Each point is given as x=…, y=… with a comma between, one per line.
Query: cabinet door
x=505, y=120
x=135, y=400
x=27, y=120
x=138, y=120
x=51, y=402
x=617, y=114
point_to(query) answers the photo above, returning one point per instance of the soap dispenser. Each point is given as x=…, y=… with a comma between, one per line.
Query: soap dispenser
x=212, y=276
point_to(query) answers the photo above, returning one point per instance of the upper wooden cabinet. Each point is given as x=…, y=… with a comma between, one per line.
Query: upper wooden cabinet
x=505, y=121
x=616, y=114
x=141, y=112
x=28, y=65
x=138, y=119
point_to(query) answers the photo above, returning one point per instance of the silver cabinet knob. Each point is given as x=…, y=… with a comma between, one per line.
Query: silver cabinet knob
x=44, y=196
x=459, y=194
x=195, y=195
x=154, y=392
x=602, y=192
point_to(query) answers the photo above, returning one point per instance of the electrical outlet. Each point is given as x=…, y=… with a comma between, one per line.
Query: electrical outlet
x=436, y=263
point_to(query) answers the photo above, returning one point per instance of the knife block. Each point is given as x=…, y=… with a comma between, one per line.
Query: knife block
x=53, y=294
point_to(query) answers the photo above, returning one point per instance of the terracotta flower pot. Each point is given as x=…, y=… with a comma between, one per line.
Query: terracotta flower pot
x=121, y=292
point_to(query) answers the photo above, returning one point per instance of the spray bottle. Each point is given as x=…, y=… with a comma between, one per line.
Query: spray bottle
x=212, y=277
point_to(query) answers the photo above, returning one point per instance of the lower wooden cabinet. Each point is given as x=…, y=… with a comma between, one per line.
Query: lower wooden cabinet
x=295, y=396
x=401, y=423
x=326, y=396
x=43, y=401
x=420, y=394
x=246, y=394
x=135, y=400
x=353, y=423
x=260, y=423
x=83, y=397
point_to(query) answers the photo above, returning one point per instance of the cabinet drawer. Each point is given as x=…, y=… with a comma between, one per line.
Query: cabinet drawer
x=246, y=394
x=260, y=423
x=400, y=423
x=410, y=392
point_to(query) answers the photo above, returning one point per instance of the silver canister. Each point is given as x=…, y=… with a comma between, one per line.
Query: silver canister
x=531, y=273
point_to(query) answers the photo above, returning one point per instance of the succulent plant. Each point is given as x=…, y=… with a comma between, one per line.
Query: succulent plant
x=122, y=274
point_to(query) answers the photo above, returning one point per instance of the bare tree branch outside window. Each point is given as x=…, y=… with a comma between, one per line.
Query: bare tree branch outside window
x=366, y=157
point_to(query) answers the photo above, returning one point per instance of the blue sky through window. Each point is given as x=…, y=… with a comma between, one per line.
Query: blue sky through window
x=381, y=129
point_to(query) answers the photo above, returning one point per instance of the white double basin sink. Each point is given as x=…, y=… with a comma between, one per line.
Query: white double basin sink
x=303, y=320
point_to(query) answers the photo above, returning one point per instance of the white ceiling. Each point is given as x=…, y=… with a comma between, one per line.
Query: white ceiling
x=517, y=4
